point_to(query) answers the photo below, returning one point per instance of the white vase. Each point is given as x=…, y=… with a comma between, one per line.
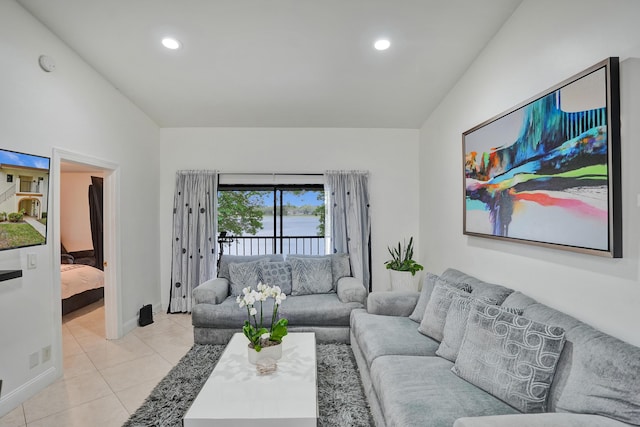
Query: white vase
x=272, y=352
x=403, y=281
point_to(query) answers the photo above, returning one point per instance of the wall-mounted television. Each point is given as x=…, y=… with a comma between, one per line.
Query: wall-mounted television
x=24, y=196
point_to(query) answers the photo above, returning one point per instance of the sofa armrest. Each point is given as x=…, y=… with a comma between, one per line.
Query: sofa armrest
x=213, y=291
x=551, y=419
x=351, y=289
x=392, y=303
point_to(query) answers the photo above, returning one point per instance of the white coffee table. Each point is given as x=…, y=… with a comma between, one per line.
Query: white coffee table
x=235, y=395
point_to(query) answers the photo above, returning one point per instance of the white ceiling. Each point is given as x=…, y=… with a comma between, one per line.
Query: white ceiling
x=278, y=63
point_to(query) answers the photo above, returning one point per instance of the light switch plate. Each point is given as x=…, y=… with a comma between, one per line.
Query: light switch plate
x=32, y=261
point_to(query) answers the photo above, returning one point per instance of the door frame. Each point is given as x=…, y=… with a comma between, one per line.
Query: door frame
x=111, y=246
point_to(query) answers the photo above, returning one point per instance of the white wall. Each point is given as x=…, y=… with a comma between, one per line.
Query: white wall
x=543, y=43
x=73, y=108
x=75, y=224
x=390, y=155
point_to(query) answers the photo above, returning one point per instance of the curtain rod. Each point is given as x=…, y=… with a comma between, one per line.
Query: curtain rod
x=270, y=173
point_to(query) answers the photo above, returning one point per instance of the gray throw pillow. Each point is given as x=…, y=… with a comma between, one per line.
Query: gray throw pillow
x=340, y=267
x=454, y=327
x=311, y=276
x=244, y=274
x=455, y=324
x=509, y=356
x=435, y=313
x=276, y=274
x=427, y=288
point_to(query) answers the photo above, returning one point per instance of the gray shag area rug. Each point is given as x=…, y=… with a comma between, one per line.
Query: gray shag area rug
x=341, y=399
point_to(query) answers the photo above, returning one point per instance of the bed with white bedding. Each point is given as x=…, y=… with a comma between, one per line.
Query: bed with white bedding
x=80, y=285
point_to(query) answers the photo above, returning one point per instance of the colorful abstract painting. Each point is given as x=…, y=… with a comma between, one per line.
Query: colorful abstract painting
x=542, y=172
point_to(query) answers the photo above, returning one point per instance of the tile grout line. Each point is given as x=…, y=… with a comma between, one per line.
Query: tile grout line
x=178, y=324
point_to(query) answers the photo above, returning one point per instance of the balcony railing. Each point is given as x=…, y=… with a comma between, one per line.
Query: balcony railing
x=265, y=245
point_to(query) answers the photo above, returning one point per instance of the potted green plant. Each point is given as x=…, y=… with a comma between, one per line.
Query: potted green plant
x=403, y=267
x=263, y=342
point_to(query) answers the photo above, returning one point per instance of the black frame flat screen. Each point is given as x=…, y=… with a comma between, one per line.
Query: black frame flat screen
x=24, y=195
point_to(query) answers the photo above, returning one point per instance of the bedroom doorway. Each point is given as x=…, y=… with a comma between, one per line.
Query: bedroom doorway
x=65, y=162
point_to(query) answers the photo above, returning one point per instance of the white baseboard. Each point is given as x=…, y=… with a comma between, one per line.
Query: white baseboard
x=13, y=399
x=131, y=324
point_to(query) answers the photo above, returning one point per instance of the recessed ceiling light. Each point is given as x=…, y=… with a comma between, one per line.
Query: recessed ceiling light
x=382, y=44
x=171, y=43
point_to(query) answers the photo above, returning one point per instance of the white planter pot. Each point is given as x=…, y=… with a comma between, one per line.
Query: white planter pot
x=272, y=352
x=404, y=281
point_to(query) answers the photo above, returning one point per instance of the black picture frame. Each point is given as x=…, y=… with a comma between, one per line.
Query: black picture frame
x=547, y=171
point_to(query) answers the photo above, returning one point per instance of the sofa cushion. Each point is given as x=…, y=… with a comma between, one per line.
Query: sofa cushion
x=425, y=293
x=304, y=310
x=318, y=310
x=227, y=314
x=244, y=274
x=509, y=356
x=380, y=335
x=549, y=419
x=518, y=300
x=435, y=313
x=276, y=273
x=481, y=288
x=225, y=260
x=605, y=377
x=597, y=373
x=420, y=391
x=311, y=276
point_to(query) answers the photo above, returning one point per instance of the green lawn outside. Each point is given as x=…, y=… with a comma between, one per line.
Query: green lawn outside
x=18, y=234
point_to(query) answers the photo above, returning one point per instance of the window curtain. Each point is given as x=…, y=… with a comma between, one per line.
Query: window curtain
x=96, y=204
x=349, y=222
x=194, y=230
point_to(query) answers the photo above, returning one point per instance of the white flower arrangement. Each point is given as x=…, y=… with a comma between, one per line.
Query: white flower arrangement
x=258, y=335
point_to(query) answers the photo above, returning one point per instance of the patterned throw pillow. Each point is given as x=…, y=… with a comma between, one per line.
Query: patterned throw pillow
x=465, y=287
x=435, y=313
x=509, y=356
x=311, y=276
x=513, y=310
x=225, y=260
x=276, y=274
x=243, y=274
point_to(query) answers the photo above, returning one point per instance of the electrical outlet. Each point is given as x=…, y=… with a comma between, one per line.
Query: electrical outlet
x=33, y=360
x=46, y=353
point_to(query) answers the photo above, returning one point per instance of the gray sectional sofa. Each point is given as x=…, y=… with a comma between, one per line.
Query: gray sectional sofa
x=516, y=362
x=320, y=296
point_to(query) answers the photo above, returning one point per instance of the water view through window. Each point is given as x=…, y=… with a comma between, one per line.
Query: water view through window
x=267, y=220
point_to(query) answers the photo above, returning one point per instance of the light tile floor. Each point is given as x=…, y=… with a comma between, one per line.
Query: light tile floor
x=105, y=380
